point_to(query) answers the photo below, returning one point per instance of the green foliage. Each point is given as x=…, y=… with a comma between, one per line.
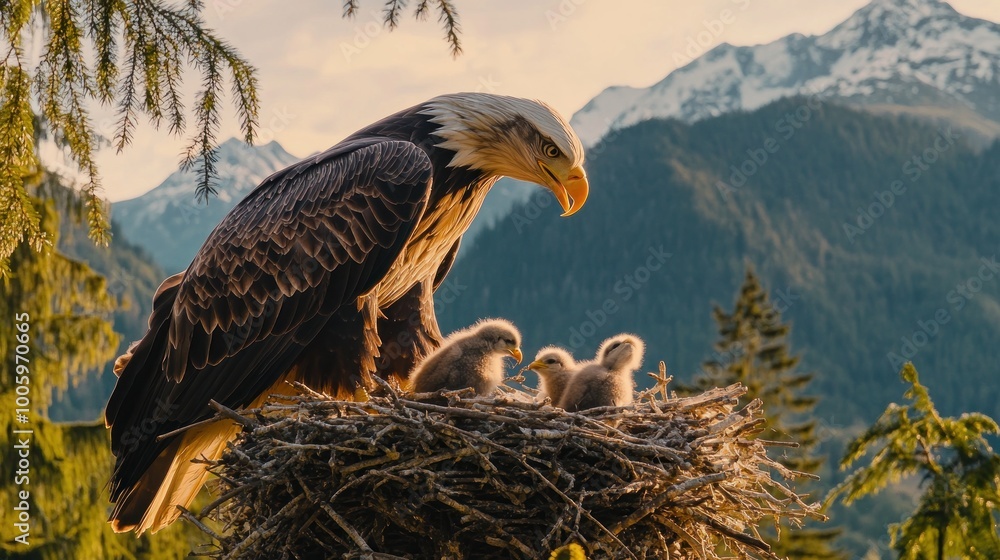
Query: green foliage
x=70, y=464
x=140, y=51
x=958, y=510
x=67, y=305
x=392, y=10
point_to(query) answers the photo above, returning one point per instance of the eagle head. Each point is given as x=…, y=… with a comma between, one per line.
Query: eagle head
x=513, y=137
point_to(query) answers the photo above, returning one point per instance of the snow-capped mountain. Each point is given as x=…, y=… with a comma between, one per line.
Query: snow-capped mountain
x=171, y=224
x=891, y=53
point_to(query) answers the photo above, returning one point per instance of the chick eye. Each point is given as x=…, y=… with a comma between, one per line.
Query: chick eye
x=550, y=361
x=613, y=346
x=550, y=150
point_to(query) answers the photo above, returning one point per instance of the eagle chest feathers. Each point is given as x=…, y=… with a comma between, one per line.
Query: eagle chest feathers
x=442, y=225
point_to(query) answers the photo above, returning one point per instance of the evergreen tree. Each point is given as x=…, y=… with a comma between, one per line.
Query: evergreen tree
x=957, y=514
x=753, y=350
x=64, y=307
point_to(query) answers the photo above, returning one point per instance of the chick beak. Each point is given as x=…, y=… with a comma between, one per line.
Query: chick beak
x=536, y=365
x=516, y=353
x=571, y=190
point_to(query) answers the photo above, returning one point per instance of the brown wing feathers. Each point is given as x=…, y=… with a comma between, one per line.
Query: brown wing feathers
x=307, y=241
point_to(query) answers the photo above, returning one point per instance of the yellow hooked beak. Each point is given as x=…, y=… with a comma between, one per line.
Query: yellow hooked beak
x=516, y=353
x=571, y=188
x=536, y=365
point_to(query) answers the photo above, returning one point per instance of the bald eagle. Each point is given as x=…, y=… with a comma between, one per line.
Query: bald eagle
x=313, y=277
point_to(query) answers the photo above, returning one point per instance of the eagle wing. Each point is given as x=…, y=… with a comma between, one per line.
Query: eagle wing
x=308, y=240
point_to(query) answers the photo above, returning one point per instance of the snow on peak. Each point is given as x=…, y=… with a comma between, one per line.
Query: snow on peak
x=889, y=51
x=240, y=168
x=171, y=223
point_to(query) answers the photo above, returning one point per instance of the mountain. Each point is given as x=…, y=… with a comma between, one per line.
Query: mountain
x=876, y=236
x=917, y=57
x=171, y=224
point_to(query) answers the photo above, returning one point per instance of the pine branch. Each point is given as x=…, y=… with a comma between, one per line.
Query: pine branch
x=392, y=11
x=448, y=17
x=132, y=54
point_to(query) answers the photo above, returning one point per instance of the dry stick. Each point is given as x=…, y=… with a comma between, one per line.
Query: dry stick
x=548, y=483
x=183, y=429
x=187, y=515
x=267, y=529
x=225, y=497
x=473, y=512
x=685, y=536
x=232, y=415
x=591, y=435
x=730, y=532
x=347, y=527
x=663, y=498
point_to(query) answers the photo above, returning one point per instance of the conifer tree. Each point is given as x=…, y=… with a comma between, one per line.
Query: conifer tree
x=753, y=349
x=64, y=308
x=957, y=514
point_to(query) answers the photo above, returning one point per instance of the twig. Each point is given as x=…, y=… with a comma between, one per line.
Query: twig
x=232, y=415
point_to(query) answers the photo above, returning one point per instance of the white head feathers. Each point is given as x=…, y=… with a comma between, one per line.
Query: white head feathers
x=473, y=123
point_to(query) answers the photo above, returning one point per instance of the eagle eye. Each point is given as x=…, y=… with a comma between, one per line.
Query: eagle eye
x=550, y=150
x=550, y=361
x=613, y=346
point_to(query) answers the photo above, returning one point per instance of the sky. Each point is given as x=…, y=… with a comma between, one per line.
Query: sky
x=322, y=77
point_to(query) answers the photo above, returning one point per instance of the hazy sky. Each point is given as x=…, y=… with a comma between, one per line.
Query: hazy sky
x=322, y=77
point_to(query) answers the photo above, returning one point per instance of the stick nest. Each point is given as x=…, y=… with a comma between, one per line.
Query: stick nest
x=450, y=475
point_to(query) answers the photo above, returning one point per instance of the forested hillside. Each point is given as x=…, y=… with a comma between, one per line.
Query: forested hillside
x=876, y=235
